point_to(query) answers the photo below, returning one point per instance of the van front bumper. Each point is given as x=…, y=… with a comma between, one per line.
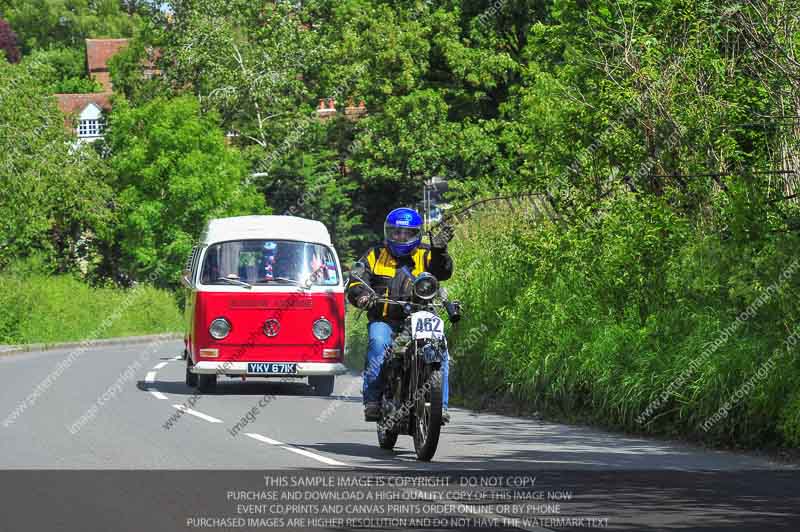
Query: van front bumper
x=304, y=369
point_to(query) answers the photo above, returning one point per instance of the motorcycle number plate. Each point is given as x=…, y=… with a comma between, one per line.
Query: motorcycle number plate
x=426, y=325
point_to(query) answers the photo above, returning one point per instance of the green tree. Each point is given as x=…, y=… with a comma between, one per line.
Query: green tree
x=129, y=72
x=312, y=184
x=62, y=70
x=247, y=60
x=40, y=23
x=55, y=198
x=174, y=171
x=259, y=67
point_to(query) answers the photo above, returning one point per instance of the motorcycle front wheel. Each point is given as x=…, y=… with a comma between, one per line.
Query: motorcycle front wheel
x=428, y=415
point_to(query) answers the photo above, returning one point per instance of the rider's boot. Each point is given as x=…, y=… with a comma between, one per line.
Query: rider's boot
x=372, y=411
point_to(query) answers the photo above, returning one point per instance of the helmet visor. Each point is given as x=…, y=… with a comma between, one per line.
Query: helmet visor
x=401, y=235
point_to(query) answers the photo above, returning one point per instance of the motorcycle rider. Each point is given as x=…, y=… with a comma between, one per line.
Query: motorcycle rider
x=402, y=252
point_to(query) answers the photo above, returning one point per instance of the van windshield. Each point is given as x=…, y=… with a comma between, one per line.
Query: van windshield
x=269, y=262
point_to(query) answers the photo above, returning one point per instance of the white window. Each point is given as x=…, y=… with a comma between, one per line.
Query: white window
x=90, y=128
x=90, y=123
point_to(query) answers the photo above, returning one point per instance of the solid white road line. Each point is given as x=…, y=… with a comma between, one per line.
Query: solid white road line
x=176, y=358
x=303, y=452
x=150, y=377
x=160, y=365
x=156, y=393
x=195, y=413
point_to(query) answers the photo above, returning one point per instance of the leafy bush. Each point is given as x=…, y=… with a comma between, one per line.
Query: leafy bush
x=601, y=319
x=356, y=345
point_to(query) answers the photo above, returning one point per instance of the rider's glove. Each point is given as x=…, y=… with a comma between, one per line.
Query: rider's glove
x=444, y=233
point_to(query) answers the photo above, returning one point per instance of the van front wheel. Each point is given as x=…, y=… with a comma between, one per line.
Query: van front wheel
x=322, y=385
x=206, y=383
x=191, y=378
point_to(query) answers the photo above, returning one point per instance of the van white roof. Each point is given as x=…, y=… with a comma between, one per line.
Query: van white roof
x=265, y=227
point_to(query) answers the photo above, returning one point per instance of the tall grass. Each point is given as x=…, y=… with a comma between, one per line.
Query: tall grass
x=40, y=308
x=598, y=321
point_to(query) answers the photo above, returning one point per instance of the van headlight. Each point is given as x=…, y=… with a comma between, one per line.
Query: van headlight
x=322, y=329
x=426, y=286
x=219, y=328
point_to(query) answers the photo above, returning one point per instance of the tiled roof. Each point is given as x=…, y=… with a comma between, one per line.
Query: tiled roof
x=99, y=51
x=75, y=103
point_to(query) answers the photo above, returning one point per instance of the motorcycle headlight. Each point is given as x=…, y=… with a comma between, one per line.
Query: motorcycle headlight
x=322, y=329
x=219, y=328
x=426, y=286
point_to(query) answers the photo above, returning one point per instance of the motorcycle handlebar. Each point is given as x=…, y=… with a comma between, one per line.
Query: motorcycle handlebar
x=453, y=308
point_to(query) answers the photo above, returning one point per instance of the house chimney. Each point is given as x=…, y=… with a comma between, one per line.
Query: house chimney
x=351, y=112
x=326, y=108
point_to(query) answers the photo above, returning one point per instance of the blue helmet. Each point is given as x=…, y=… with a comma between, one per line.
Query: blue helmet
x=403, y=231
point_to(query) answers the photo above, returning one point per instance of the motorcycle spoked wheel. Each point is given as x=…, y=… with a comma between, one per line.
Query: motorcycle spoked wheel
x=428, y=415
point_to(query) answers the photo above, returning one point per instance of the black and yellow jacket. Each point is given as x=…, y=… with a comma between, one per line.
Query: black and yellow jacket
x=381, y=269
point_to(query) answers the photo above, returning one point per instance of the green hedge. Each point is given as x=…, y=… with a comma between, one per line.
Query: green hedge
x=41, y=308
x=356, y=346
x=600, y=320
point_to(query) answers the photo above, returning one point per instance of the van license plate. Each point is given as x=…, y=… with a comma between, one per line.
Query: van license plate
x=271, y=368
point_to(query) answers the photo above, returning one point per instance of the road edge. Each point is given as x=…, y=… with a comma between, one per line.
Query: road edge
x=122, y=340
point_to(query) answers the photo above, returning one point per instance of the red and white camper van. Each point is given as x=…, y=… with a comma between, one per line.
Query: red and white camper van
x=265, y=299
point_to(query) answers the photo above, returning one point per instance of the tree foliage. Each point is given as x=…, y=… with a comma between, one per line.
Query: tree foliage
x=129, y=73
x=55, y=197
x=41, y=23
x=173, y=171
x=62, y=70
x=575, y=99
x=571, y=98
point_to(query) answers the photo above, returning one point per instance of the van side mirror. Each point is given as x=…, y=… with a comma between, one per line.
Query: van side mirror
x=185, y=279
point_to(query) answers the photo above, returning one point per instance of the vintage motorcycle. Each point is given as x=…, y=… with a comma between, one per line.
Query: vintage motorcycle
x=411, y=399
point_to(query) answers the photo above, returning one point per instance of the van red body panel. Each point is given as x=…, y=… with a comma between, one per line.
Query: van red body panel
x=295, y=311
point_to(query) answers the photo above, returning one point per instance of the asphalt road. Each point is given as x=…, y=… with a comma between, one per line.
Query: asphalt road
x=127, y=408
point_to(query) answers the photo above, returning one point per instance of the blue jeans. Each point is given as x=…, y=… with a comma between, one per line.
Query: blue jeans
x=380, y=338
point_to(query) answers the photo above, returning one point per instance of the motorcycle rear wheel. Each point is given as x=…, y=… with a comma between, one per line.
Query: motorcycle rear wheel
x=428, y=417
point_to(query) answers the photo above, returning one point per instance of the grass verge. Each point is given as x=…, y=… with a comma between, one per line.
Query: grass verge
x=641, y=320
x=46, y=309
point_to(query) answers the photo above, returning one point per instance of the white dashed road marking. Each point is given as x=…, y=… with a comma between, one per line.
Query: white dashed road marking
x=195, y=413
x=303, y=452
x=151, y=377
